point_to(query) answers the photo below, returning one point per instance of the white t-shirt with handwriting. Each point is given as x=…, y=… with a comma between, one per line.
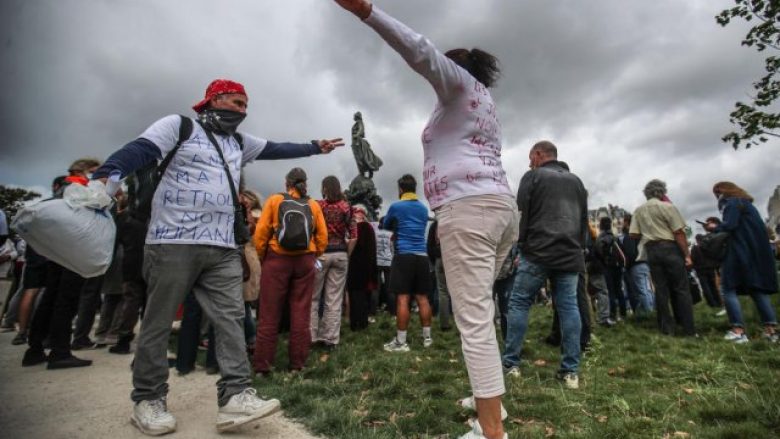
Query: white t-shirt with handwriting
x=193, y=203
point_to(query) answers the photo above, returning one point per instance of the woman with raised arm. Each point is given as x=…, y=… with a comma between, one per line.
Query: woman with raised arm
x=466, y=186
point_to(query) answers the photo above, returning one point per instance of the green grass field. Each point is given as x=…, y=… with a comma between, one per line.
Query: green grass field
x=633, y=383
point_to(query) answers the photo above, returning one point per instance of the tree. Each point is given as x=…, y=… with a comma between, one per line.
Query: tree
x=755, y=120
x=13, y=198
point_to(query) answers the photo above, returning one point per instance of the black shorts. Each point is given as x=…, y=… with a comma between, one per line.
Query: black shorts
x=34, y=276
x=410, y=274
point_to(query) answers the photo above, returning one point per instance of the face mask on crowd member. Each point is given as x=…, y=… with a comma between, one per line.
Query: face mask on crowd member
x=224, y=106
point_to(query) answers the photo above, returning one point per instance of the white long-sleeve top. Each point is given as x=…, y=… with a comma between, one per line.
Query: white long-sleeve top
x=462, y=140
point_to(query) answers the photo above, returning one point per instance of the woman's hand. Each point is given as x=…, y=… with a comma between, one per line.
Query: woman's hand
x=361, y=8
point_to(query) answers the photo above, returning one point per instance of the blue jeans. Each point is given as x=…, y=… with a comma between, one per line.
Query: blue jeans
x=734, y=310
x=637, y=280
x=529, y=279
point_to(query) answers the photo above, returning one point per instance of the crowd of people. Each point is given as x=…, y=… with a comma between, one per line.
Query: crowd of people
x=193, y=241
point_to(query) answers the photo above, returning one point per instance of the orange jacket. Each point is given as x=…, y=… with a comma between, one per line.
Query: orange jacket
x=265, y=232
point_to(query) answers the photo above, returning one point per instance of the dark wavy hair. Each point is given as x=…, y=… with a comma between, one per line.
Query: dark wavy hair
x=331, y=188
x=480, y=64
x=297, y=178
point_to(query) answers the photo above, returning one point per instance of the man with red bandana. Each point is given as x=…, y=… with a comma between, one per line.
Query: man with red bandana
x=191, y=246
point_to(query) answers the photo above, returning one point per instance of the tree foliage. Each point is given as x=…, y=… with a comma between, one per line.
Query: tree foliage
x=756, y=121
x=13, y=198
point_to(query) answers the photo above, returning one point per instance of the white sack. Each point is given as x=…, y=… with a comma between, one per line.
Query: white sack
x=76, y=232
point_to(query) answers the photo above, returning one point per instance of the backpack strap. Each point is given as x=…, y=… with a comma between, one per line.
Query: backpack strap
x=185, y=131
x=240, y=139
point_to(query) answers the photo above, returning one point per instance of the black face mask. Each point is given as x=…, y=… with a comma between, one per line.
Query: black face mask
x=221, y=121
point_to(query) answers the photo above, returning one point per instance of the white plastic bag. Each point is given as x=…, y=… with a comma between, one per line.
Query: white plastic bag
x=76, y=232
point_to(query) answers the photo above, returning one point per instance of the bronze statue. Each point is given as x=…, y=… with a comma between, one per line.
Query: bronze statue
x=362, y=191
x=367, y=161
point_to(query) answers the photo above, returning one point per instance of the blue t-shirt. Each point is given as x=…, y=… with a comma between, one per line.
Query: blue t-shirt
x=407, y=219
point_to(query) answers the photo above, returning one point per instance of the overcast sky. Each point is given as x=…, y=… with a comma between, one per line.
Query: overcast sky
x=629, y=91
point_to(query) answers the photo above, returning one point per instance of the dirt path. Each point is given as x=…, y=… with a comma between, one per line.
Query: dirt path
x=93, y=402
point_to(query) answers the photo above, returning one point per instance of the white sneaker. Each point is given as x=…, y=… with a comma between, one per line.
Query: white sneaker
x=476, y=432
x=244, y=407
x=721, y=313
x=427, y=342
x=396, y=346
x=153, y=418
x=570, y=380
x=736, y=338
x=513, y=372
x=470, y=404
x=772, y=338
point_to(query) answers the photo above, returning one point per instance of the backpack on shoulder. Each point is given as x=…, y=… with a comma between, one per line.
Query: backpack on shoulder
x=296, y=223
x=610, y=252
x=142, y=184
x=715, y=245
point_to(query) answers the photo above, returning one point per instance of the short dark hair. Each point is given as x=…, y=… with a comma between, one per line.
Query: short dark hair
x=407, y=183
x=480, y=64
x=605, y=223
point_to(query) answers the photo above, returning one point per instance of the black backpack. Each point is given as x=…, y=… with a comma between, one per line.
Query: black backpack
x=296, y=223
x=715, y=245
x=609, y=251
x=142, y=184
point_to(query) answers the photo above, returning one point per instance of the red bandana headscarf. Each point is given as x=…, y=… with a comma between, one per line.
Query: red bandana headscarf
x=216, y=88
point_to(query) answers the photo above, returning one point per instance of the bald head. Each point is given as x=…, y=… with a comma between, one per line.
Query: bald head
x=541, y=153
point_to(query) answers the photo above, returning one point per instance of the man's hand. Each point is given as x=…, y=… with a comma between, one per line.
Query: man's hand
x=688, y=262
x=328, y=145
x=361, y=8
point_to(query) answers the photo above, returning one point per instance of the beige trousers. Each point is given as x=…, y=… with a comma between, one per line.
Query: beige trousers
x=329, y=288
x=476, y=235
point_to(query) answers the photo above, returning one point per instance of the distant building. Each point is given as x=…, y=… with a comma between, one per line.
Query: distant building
x=616, y=213
x=773, y=207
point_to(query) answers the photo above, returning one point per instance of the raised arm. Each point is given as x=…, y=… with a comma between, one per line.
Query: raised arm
x=446, y=77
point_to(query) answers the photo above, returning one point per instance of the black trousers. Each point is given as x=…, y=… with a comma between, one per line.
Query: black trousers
x=385, y=295
x=617, y=298
x=54, y=315
x=133, y=302
x=358, y=309
x=189, y=337
x=709, y=288
x=502, y=289
x=667, y=268
x=108, y=315
x=89, y=303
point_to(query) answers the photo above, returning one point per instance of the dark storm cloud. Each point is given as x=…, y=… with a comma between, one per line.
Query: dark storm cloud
x=628, y=90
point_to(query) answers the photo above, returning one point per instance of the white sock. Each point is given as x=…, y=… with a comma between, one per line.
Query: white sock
x=401, y=337
x=426, y=332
